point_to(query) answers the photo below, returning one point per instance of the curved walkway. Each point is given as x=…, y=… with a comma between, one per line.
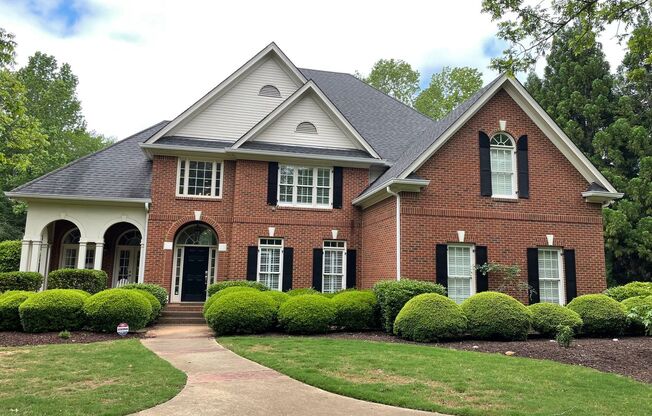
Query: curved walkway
x=223, y=383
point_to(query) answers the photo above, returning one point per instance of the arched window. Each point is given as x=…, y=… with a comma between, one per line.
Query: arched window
x=129, y=238
x=70, y=251
x=197, y=235
x=306, y=127
x=72, y=236
x=503, y=165
x=269, y=91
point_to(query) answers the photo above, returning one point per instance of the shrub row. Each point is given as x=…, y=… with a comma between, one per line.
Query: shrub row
x=29, y=281
x=91, y=281
x=216, y=287
x=630, y=290
x=9, y=255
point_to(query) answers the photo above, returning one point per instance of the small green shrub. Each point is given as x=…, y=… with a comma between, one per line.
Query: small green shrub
x=91, y=281
x=601, y=315
x=241, y=312
x=159, y=292
x=547, y=317
x=355, y=310
x=278, y=297
x=110, y=307
x=392, y=295
x=28, y=281
x=10, y=255
x=9, y=303
x=216, y=287
x=565, y=336
x=636, y=308
x=64, y=334
x=232, y=289
x=494, y=315
x=303, y=291
x=430, y=317
x=307, y=314
x=630, y=290
x=153, y=302
x=53, y=310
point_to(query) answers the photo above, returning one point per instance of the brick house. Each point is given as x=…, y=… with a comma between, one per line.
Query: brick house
x=305, y=178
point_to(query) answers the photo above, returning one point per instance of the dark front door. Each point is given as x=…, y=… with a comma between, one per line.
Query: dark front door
x=195, y=265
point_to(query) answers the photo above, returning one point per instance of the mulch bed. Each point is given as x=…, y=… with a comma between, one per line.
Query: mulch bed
x=18, y=339
x=629, y=356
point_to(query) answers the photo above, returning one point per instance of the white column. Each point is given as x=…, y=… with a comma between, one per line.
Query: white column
x=141, y=263
x=24, y=255
x=44, y=254
x=81, y=255
x=35, y=254
x=99, y=248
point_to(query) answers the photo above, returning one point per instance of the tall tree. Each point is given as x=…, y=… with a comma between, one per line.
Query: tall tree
x=395, y=78
x=448, y=88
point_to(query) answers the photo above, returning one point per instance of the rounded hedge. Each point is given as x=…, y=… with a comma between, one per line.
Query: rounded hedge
x=601, y=315
x=233, y=289
x=355, y=310
x=53, y=310
x=91, y=281
x=278, y=297
x=630, y=290
x=216, y=287
x=159, y=292
x=241, y=312
x=153, y=302
x=9, y=303
x=430, y=317
x=547, y=317
x=110, y=307
x=303, y=291
x=28, y=281
x=494, y=315
x=307, y=314
x=10, y=255
x=636, y=308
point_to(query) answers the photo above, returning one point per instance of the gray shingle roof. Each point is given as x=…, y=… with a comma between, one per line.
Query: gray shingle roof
x=194, y=142
x=305, y=150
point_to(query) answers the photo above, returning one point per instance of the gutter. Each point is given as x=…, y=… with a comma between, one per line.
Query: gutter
x=398, y=231
x=17, y=195
x=143, y=254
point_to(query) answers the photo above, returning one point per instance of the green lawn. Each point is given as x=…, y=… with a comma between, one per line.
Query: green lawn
x=444, y=380
x=103, y=378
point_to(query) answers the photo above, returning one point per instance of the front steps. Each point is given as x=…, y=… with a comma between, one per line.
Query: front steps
x=187, y=313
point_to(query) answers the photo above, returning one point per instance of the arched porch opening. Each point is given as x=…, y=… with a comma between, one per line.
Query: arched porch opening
x=195, y=262
x=122, y=260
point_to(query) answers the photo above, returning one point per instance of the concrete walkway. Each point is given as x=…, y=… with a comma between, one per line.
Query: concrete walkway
x=223, y=383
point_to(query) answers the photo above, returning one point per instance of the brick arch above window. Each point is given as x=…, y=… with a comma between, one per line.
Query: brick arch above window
x=179, y=224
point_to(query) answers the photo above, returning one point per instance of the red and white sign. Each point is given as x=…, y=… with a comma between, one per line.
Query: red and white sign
x=123, y=329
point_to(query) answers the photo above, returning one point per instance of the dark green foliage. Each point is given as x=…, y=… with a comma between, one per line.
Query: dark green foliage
x=231, y=289
x=9, y=303
x=547, y=317
x=53, y=310
x=601, y=315
x=154, y=303
x=159, y=292
x=630, y=290
x=276, y=296
x=636, y=309
x=29, y=281
x=448, y=88
x=302, y=291
x=91, y=281
x=564, y=336
x=9, y=255
x=498, y=316
x=430, y=317
x=355, y=310
x=216, y=287
x=241, y=312
x=307, y=314
x=392, y=295
x=395, y=78
x=108, y=308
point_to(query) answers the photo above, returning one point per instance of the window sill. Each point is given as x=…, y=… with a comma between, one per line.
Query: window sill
x=504, y=199
x=297, y=208
x=198, y=198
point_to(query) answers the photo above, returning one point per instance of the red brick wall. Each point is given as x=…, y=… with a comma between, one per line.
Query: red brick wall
x=378, y=243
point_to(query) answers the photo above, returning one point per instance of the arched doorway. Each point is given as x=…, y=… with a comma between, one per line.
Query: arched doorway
x=195, y=262
x=126, y=264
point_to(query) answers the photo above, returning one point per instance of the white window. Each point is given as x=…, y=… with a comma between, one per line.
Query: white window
x=503, y=166
x=270, y=262
x=70, y=251
x=269, y=91
x=199, y=178
x=334, y=266
x=305, y=186
x=551, y=276
x=461, y=272
x=306, y=127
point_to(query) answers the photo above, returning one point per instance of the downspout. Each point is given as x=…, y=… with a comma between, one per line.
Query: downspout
x=143, y=254
x=398, y=231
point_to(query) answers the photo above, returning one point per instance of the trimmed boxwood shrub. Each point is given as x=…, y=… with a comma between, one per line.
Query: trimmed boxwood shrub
x=494, y=315
x=159, y=292
x=153, y=302
x=601, y=315
x=630, y=290
x=9, y=303
x=9, y=255
x=106, y=309
x=241, y=312
x=209, y=302
x=307, y=314
x=430, y=317
x=392, y=295
x=91, y=281
x=547, y=317
x=278, y=297
x=53, y=310
x=641, y=305
x=28, y=281
x=216, y=287
x=355, y=310
x=303, y=291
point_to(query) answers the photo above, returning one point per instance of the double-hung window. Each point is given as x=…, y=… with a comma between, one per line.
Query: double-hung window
x=199, y=178
x=461, y=272
x=305, y=186
x=503, y=166
x=551, y=276
x=270, y=262
x=334, y=267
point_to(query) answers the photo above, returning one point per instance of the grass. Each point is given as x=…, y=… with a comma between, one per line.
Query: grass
x=103, y=378
x=446, y=380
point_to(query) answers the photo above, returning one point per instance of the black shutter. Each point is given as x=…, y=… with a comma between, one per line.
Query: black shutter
x=522, y=163
x=441, y=264
x=338, y=183
x=288, y=255
x=533, y=274
x=571, y=279
x=485, y=165
x=350, y=269
x=317, y=254
x=272, y=183
x=481, y=280
x=252, y=263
